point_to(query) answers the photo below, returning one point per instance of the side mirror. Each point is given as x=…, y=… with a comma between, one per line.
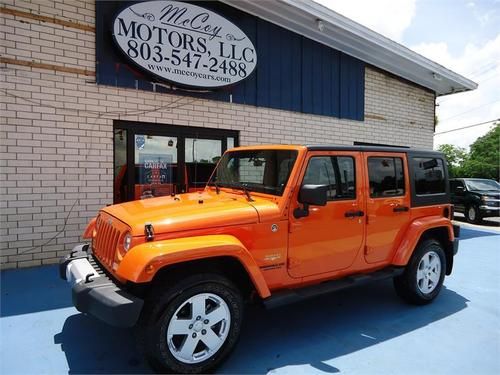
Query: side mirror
x=459, y=189
x=315, y=195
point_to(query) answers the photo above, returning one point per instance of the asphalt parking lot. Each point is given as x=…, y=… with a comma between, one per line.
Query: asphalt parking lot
x=367, y=330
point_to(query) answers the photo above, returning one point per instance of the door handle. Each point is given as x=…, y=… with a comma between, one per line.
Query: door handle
x=354, y=213
x=401, y=209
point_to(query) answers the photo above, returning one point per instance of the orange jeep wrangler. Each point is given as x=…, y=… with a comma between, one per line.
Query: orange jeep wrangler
x=276, y=224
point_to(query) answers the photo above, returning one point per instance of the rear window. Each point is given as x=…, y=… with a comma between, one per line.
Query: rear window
x=429, y=176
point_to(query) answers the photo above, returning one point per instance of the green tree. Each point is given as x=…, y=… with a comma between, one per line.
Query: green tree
x=456, y=157
x=484, y=156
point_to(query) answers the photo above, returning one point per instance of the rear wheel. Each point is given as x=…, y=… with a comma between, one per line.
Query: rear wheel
x=423, y=277
x=192, y=327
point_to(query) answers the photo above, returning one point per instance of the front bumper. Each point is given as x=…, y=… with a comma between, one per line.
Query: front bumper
x=489, y=211
x=95, y=293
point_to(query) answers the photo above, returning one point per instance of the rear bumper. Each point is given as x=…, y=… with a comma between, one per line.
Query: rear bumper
x=95, y=293
x=456, y=234
x=455, y=246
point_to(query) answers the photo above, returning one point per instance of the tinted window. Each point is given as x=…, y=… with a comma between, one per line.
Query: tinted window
x=337, y=172
x=454, y=184
x=386, y=177
x=429, y=176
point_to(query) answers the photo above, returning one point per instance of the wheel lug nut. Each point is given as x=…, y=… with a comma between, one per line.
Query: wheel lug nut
x=194, y=335
x=205, y=321
x=190, y=326
x=198, y=317
x=203, y=331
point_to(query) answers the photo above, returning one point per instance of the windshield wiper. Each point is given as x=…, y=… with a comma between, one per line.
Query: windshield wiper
x=245, y=190
x=214, y=182
x=239, y=185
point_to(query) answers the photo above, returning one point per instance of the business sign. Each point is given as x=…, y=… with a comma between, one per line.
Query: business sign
x=184, y=44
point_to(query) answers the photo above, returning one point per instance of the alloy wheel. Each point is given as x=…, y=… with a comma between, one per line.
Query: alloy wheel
x=472, y=213
x=428, y=272
x=198, y=328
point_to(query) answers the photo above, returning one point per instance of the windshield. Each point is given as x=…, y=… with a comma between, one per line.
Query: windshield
x=482, y=185
x=264, y=171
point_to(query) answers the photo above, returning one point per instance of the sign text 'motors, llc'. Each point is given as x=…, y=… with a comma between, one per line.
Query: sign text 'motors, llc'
x=184, y=44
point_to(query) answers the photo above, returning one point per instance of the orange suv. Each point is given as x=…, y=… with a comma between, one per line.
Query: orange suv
x=275, y=224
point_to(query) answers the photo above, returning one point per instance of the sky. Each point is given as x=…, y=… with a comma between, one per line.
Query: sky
x=462, y=35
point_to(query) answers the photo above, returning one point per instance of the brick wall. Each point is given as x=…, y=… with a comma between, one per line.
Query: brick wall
x=56, y=137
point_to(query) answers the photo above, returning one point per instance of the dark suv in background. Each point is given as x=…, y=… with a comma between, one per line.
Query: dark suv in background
x=476, y=198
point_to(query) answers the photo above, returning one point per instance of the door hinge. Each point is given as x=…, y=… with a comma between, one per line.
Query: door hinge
x=293, y=262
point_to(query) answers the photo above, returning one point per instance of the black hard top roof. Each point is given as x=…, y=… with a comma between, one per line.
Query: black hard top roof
x=407, y=150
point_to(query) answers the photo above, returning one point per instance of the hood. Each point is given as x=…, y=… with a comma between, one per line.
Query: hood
x=184, y=212
x=490, y=193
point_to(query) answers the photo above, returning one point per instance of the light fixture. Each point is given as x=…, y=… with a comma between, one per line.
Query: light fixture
x=436, y=76
x=321, y=25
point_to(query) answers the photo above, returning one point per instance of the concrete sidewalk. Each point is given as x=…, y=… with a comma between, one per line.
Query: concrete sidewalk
x=367, y=330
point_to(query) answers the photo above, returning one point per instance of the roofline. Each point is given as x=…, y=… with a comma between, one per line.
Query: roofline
x=405, y=150
x=324, y=147
x=352, y=38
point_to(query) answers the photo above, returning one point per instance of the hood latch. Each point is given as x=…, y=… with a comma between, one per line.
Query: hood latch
x=149, y=232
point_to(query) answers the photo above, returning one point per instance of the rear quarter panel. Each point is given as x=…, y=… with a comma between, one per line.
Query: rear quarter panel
x=422, y=219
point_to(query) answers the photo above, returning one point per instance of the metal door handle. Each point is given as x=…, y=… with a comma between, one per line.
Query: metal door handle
x=354, y=214
x=401, y=209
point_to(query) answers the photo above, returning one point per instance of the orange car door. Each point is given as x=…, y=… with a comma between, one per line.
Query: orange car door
x=329, y=238
x=387, y=204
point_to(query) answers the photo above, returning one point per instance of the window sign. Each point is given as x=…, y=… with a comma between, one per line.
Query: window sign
x=155, y=169
x=184, y=43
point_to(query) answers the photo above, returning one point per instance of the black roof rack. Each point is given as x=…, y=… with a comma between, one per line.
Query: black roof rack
x=372, y=149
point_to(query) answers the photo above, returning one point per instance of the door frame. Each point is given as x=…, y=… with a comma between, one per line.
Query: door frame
x=166, y=130
x=296, y=260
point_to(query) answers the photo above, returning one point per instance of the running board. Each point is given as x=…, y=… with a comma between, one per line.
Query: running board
x=294, y=295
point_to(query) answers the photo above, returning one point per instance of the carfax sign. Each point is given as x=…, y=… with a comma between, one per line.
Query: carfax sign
x=184, y=44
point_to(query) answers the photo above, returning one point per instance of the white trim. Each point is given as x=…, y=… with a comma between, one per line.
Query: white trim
x=341, y=33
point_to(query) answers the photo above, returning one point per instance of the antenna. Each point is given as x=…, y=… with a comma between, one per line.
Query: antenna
x=195, y=181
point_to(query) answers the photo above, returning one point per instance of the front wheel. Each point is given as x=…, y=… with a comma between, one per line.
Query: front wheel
x=472, y=214
x=423, y=277
x=192, y=327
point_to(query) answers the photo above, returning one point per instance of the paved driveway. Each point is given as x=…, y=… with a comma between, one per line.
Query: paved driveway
x=367, y=330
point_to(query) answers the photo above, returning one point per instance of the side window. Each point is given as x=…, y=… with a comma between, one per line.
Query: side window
x=337, y=172
x=455, y=184
x=429, y=176
x=386, y=177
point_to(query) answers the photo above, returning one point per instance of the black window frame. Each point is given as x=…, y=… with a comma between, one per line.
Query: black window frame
x=395, y=175
x=417, y=168
x=354, y=175
x=419, y=200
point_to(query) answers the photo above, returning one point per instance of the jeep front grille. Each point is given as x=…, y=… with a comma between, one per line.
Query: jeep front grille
x=106, y=240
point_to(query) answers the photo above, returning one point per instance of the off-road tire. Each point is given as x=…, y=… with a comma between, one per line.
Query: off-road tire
x=159, y=309
x=406, y=285
x=473, y=219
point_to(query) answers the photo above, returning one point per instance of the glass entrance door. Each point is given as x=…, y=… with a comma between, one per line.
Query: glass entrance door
x=152, y=160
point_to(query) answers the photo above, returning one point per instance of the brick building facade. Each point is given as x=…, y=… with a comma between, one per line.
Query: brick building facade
x=56, y=138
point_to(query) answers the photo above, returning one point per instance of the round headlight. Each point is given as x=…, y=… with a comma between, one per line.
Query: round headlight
x=127, y=240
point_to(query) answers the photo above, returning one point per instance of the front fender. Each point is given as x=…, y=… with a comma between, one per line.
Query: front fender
x=413, y=234
x=142, y=262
